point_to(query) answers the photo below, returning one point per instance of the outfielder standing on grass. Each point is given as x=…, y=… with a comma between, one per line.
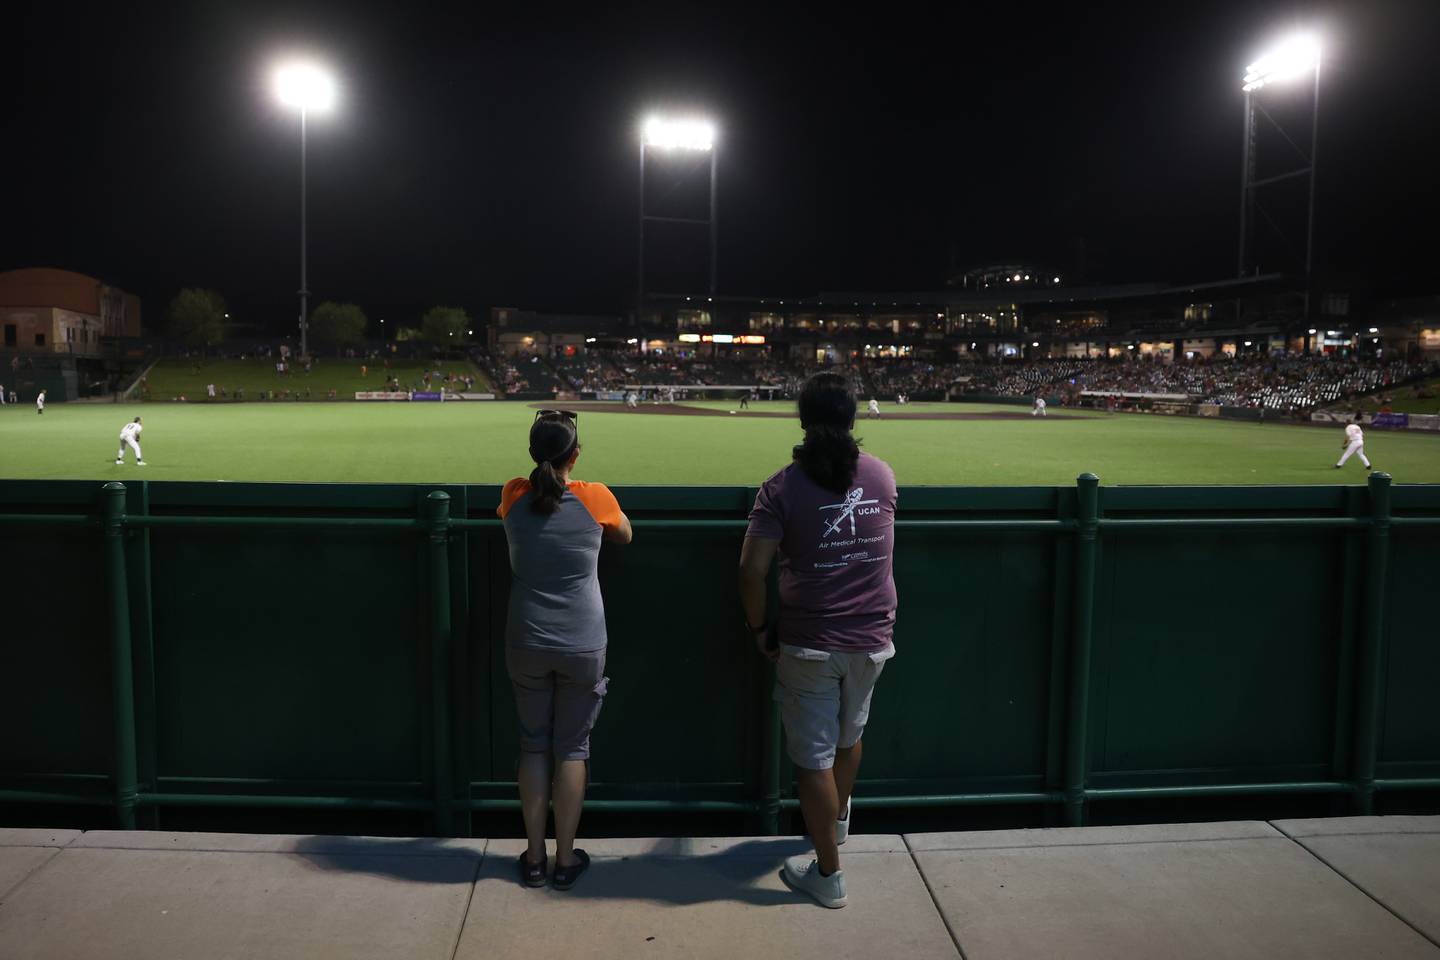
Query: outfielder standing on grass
x=40, y=402
x=130, y=437
x=1354, y=442
x=830, y=515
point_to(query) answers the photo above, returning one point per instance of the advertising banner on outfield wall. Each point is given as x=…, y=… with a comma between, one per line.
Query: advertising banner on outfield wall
x=1424, y=421
x=427, y=395
x=381, y=395
x=1394, y=421
x=477, y=396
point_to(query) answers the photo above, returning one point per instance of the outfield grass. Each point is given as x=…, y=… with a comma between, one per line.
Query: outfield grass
x=169, y=379
x=484, y=442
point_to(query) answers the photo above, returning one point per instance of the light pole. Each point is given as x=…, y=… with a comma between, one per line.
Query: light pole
x=1290, y=59
x=671, y=136
x=304, y=87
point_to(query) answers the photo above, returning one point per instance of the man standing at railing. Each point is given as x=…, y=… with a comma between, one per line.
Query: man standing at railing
x=830, y=517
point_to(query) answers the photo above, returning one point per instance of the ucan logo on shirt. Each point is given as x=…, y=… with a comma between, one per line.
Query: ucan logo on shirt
x=848, y=509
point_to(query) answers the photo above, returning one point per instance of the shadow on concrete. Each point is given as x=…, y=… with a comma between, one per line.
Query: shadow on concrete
x=417, y=860
x=657, y=876
x=661, y=877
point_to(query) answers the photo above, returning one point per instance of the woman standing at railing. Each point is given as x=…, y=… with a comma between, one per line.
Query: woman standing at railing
x=830, y=515
x=555, y=635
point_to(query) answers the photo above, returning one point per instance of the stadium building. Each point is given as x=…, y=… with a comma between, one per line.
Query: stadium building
x=1007, y=330
x=63, y=331
x=1014, y=310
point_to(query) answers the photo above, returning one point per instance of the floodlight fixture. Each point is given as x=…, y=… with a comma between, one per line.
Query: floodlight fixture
x=305, y=86
x=669, y=133
x=1292, y=57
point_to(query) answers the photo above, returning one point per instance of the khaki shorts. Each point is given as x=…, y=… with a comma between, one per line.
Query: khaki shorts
x=558, y=697
x=824, y=699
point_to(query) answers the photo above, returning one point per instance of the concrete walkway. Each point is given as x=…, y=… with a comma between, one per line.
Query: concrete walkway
x=1354, y=887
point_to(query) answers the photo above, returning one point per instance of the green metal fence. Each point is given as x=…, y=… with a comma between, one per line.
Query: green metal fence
x=340, y=647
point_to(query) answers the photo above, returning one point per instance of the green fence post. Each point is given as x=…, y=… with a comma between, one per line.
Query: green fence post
x=1077, y=732
x=122, y=689
x=437, y=522
x=1372, y=640
x=770, y=765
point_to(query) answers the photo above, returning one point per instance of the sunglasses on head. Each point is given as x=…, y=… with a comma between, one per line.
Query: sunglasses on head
x=570, y=415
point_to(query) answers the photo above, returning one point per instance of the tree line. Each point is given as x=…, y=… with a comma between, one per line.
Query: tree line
x=198, y=317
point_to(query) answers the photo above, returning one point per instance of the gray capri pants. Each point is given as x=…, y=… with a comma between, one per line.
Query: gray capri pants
x=824, y=699
x=558, y=697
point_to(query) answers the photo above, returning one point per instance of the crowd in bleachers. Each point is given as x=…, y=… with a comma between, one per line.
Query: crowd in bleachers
x=1281, y=382
x=519, y=373
x=593, y=371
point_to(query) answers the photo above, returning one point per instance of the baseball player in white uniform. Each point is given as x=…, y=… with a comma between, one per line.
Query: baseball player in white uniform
x=1354, y=442
x=130, y=437
x=874, y=408
x=40, y=402
x=1039, y=409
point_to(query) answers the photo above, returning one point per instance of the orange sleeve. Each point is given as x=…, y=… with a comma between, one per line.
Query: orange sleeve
x=599, y=501
x=513, y=491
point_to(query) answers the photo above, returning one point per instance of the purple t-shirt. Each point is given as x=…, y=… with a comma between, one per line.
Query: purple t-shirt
x=837, y=591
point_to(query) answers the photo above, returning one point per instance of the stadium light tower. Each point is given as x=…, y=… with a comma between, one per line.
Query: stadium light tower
x=674, y=135
x=306, y=87
x=1289, y=60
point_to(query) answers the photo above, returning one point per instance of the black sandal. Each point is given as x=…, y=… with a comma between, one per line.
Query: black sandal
x=565, y=877
x=532, y=874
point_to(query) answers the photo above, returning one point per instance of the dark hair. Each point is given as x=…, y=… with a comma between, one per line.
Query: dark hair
x=552, y=441
x=827, y=412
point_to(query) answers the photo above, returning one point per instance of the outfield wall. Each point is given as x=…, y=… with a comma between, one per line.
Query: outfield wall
x=340, y=647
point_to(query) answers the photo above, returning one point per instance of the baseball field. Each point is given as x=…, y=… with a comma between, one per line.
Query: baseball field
x=698, y=443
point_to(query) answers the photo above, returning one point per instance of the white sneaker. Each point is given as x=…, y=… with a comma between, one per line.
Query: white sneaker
x=842, y=826
x=139, y=463
x=826, y=891
x=119, y=462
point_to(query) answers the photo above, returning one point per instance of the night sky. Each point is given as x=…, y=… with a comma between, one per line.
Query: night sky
x=488, y=157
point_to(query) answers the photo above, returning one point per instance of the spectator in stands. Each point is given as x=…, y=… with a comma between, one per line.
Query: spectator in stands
x=830, y=516
x=555, y=635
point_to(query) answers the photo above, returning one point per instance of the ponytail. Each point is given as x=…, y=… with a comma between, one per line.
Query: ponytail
x=829, y=454
x=547, y=487
x=552, y=444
